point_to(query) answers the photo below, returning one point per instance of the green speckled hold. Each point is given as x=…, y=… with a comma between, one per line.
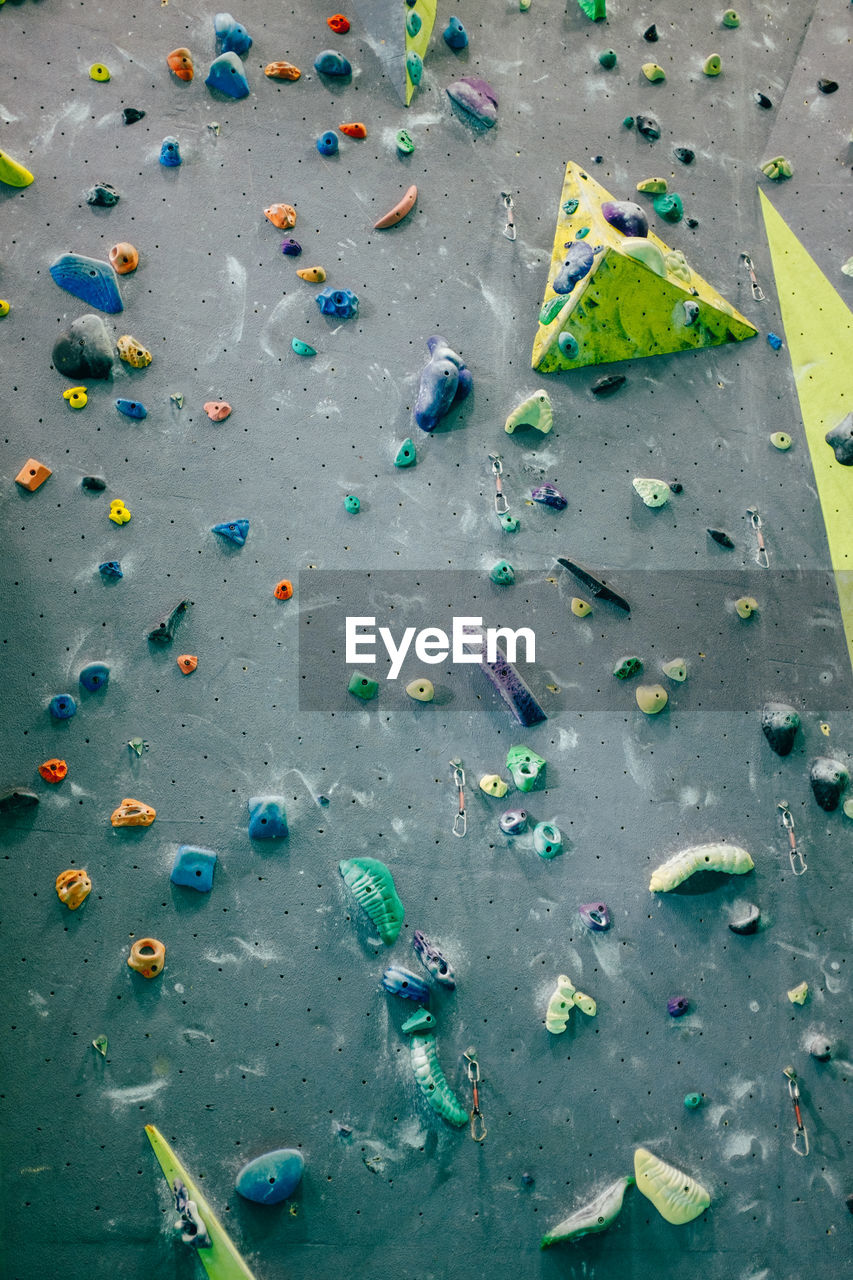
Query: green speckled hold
x=569, y=207
x=362, y=686
x=692, y=1101
x=582, y=233
x=608, y=59
x=645, y=251
x=654, y=493
x=551, y=309
x=669, y=207
x=405, y=146
x=777, y=169
x=407, y=454
x=302, y=348
x=526, y=767
x=372, y=886
x=352, y=504
x=547, y=839
x=731, y=18
x=628, y=667
x=502, y=574
x=509, y=524
x=713, y=65
x=781, y=441
x=653, y=72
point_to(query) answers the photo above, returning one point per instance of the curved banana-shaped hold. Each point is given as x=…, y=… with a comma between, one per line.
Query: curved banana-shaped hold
x=592, y=1217
x=729, y=858
x=562, y=1002
x=676, y=1196
x=433, y=1082
x=398, y=213
x=372, y=886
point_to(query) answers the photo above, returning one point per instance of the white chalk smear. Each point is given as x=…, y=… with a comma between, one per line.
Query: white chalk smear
x=135, y=1093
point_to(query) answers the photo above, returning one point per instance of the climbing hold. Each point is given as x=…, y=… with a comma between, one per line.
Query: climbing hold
x=590, y=1218
x=513, y=821
x=547, y=840
x=509, y=524
x=493, y=785
x=404, y=983
x=267, y=818
x=581, y=608
x=820, y=1048
x=302, y=348
x=327, y=144
x=164, y=632
x=651, y=34
x=330, y=63
x=595, y=915
x=625, y=216
x=429, y=1075
x=840, y=440
x=669, y=207
x=535, y=411
x=746, y=606
x=407, y=455
x=782, y=441
x=84, y=350
x=363, y=686
x=721, y=538
x=827, y=86
x=436, y=964
x=762, y=100
x=527, y=768
x=675, y=669
x=399, y=211
x=774, y=341
x=170, y=153
x=14, y=799
x=677, y=1006
x=607, y=385
x=626, y=668
x=684, y=154
x=118, y=512
x=314, y=275
x=414, y=67
x=746, y=923
x=62, y=706
x=404, y=143
x=193, y=868
x=12, y=173
x=32, y=474
x=654, y=493
x=131, y=408
x=352, y=504
x=502, y=574
x=283, y=590
x=645, y=251
x=829, y=779
x=187, y=662
x=99, y=72
x=628, y=123
x=231, y=37
x=652, y=186
x=677, y=1197
x=147, y=957
x=777, y=169
x=563, y=1000
x=414, y=22
x=93, y=281
x=653, y=72
x=649, y=127
x=568, y=344
x=235, y=531
x=342, y=303
x=445, y=381
x=228, y=75
x=730, y=859
x=354, y=129
x=104, y=195
x=95, y=676
x=282, y=71
x=180, y=63
x=421, y=1019
x=53, y=770
x=596, y=10
x=272, y=1177
x=454, y=34
x=217, y=410
x=712, y=66
x=799, y=994
x=110, y=570
x=73, y=887
x=421, y=690
x=76, y=397
x=730, y=18
x=123, y=258
x=780, y=723
x=131, y=115
x=608, y=59
x=338, y=23
x=651, y=698
x=291, y=248
x=372, y=886
x=547, y=496
x=132, y=352
x=476, y=100
x=576, y=264
x=4, y=308
x=691, y=311
x=133, y=813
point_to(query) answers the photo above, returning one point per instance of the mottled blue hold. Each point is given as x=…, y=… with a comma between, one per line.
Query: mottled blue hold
x=234, y=531
x=548, y=496
x=131, y=408
x=272, y=1177
x=400, y=982
x=568, y=344
x=95, y=676
x=291, y=247
x=342, y=303
x=332, y=63
x=513, y=821
x=267, y=818
x=193, y=868
x=775, y=341
x=327, y=144
x=228, y=75
x=110, y=570
x=455, y=35
x=93, y=281
x=445, y=381
x=170, y=153
x=577, y=264
x=231, y=37
x=62, y=706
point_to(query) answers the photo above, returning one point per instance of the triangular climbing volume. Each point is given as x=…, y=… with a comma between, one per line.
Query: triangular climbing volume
x=399, y=35
x=619, y=297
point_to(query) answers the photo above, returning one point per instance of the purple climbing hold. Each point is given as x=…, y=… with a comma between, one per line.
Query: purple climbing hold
x=433, y=961
x=445, y=382
x=595, y=915
x=513, y=821
x=547, y=496
x=291, y=247
x=677, y=1006
x=476, y=99
x=625, y=216
x=577, y=264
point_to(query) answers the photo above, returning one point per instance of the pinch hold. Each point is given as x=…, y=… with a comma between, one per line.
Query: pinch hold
x=73, y=887
x=133, y=813
x=282, y=71
x=399, y=211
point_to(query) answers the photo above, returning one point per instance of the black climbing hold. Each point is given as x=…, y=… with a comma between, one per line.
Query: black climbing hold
x=762, y=100
x=648, y=127
x=597, y=159
x=840, y=440
x=747, y=923
x=606, y=386
x=132, y=114
x=95, y=484
x=164, y=632
x=692, y=222
x=14, y=799
x=829, y=779
x=676, y=486
x=84, y=350
x=684, y=154
x=722, y=539
x=651, y=34
x=780, y=724
x=827, y=86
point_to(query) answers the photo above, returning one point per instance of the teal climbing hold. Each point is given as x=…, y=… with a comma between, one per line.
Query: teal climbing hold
x=362, y=686
x=502, y=574
x=407, y=454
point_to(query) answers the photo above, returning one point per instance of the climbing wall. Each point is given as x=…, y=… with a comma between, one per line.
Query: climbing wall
x=268, y=1027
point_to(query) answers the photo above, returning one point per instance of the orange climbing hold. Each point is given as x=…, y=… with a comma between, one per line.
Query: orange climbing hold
x=124, y=258
x=217, y=410
x=338, y=23
x=282, y=71
x=181, y=63
x=283, y=590
x=281, y=215
x=73, y=887
x=187, y=662
x=53, y=770
x=32, y=474
x=354, y=130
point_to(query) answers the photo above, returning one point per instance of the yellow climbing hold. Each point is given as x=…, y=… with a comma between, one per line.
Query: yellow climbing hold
x=99, y=72
x=581, y=608
x=316, y=275
x=4, y=307
x=12, y=173
x=746, y=606
x=131, y=350
x=421, y=690
x=677, y=1197
x=653, y=186
x=119, y=513
x=780, y=440
x=713, y=65
x=493, y=785
x=76, y=397
x=653, y=72
x=777, y=169
x=651, y=698
x=798, y=994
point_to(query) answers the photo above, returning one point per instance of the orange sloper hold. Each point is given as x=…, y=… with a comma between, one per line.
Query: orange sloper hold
x=354, y=130
x=180, y=63
x=282, y=71
x=281, y=215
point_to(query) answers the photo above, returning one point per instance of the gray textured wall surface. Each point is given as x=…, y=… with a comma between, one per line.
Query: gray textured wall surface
x=268, y=1027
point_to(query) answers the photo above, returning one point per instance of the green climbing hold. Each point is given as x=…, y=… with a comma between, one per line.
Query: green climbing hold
x=655, y=493
x=527, y=768
x=669, y=207
x=552, y=308
x=362, y=686
x=627, y=667
x=423, y=1020
x=405, y=146
x=535, y=411
x=547, y=839
x=675, y=669
x=372, y=886
x=414, y=22
x=569, y=207
x=102, y=1044
x=692, y=1101
x=652, y=71
x=731, y=18
x=652, y=186
x=302, y=348
x=645, y=251
x=12, y=173
x=352, y=504
x=608, y=59
x=713, y=65
x=628, y=122
x=775, y=169
x=594, y=9
x=509, y=524
x=407, y=454
x=781, y=440
x=502, y=574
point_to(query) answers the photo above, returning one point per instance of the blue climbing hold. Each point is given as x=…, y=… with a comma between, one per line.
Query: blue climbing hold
x=577, y=264
x=93, y=281
x=170, y=153
x=445, y=381
x=228, y=75
x=267, y=818
x=337, y=302
x=272, y=1177
x=400, y=982
x=455, y=35
x=327, y=144
x=775, y=341
x=95, y=676
x=193, y=868
x=131, y=408
x=332, y=63
x=231, y=37
x=62, y=706
x=291, y=247
x=110, y=570
x=233, y=531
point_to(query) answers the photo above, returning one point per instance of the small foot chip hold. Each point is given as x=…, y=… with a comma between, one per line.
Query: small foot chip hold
x=133, y=813
x=267, y=818
x=799, y=994
x=651, y=698
x=73, y=887
x=147, y=957
x=33, y=474
x=283, y=589
x=677, y=1197
x=187, y=662
x=399, y=211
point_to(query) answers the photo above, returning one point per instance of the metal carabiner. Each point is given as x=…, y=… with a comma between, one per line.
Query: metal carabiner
x=801, y=1139
x=761, y=556
x=757, y=291
x=460, y=822
x=509, y=229
x=501, y=504
x=478, y=1124
x=795, y=855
